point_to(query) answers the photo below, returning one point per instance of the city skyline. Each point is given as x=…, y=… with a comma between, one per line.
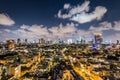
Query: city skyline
x=59, y=19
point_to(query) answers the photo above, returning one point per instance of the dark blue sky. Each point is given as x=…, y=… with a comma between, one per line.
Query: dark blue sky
x=42, y=12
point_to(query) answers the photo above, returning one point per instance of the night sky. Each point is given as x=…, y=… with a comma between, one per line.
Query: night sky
x=52, y=19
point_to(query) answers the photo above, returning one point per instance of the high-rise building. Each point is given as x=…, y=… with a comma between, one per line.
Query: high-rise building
x=26, y=41
x=41, y=41
x=49, y=42
x=98, y=38
x=69, y=41
x=117, y=41
x=11, y=44
x=18, y=41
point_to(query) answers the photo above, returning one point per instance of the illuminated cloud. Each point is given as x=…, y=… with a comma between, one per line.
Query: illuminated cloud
x=0, y=31
x=61, y=30
x=88, y=17
x=34, y=31
x=106, y=26
x=81, y=13
x=7, y=30
x=66, y=6
x=69, y=30
x=116, y=26
x=113, y=37
x=66, y=31
x=112, y=28
x=6, y=20
x=73, y=10
x=40, y=31
x=102, y=27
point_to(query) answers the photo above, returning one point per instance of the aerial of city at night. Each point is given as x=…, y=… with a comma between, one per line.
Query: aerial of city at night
x=59, y=40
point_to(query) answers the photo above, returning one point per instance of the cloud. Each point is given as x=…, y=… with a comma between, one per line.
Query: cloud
x=102, y=27
x=69, y=30
x=66, y=31
x=41, y=31
x=66, y=6
x=6, y=34
x=113, y=37
x=34, y=31
x=63, y=30
x=6, y=20
x=116, y=26
x=105, y=26
x=81, y=13
x=88, y=17
x=73, y=10
x=84, y=32
x=7, y=30
x=112, y=29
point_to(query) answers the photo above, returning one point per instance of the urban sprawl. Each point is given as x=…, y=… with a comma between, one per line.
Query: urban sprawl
x=45, y=60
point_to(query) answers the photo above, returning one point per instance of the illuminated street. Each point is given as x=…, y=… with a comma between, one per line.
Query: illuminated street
x=59, y=40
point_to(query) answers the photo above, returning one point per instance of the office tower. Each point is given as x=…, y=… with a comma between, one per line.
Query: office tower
x=18, y=41
x=26, y=41
x=41, y=41
x=117, y=42
x=98, y=39
x=11, y=44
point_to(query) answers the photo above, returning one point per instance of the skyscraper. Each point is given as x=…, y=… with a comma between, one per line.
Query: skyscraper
x=18, y=41
x=98, y=39
x=41, y=41
x=26, y=41
x=11, y=44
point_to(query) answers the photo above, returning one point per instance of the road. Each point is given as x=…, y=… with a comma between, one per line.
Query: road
x=57, y=72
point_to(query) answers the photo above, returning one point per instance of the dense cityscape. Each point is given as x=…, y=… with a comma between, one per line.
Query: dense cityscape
x=59, y=40
x=45, y=60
